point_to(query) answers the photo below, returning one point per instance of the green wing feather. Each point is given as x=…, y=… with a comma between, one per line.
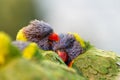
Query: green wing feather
x=52, y=56
x=98, y=64
x=22, y=69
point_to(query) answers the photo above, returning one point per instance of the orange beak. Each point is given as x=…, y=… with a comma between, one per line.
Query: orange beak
x=54, y=37
x=63, y=55
x=71, y=63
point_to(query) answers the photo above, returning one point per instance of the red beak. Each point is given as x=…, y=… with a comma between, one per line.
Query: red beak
x=54, y=37
x=63, y=55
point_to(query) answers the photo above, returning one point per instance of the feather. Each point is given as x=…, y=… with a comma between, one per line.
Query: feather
x=97, y=64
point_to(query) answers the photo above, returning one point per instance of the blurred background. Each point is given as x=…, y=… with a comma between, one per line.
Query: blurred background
x=97, y=21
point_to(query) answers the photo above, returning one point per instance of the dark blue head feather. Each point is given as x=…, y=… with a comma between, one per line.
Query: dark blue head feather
x=68, y=44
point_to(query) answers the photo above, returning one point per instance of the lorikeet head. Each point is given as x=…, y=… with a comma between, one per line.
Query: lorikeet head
x=38, y=32
x=67, y=47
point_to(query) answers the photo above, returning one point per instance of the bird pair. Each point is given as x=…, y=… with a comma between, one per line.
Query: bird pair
x=34, y=65
x=93, y=63
x=68, y=46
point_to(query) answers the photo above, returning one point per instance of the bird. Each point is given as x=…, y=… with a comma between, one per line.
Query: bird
x=14, y=67
x=39, y=32
x=68, y=47
x=31, y=51
x=93, y=63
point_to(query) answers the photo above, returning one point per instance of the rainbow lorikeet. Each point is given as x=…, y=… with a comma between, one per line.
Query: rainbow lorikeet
x=38, y=32
x=68, y=48
x=14, y=67
x=93, y=63
x=31, y=51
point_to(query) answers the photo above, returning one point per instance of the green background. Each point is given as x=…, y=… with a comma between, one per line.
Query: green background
x=15, y=14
